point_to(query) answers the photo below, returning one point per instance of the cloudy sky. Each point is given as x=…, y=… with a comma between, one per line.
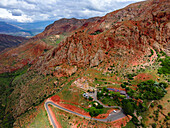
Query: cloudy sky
x=42, y=10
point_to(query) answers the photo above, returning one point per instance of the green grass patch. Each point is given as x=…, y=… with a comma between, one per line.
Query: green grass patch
x=41, y=120
x=52, y=40
x=62, y=120
x=73, y=95
x=130, y=124
x=109, y=101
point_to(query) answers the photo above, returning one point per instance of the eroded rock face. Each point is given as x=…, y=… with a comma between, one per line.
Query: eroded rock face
x=64, y=26
x=61, y=71
x=37, y=46
x=125, y=35
x=98, y=58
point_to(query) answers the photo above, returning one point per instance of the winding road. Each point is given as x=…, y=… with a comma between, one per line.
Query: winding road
x=111, y=117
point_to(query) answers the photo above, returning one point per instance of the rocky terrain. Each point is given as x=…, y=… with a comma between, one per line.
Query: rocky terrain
x=38, y=45
x=64, y=26
x=123, y=38
x=7, y=41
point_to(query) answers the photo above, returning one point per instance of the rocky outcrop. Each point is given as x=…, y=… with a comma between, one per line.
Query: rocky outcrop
x=64, y=26
x=31, y=51
x=125, y=35
x=122, y=37
x=64, y=71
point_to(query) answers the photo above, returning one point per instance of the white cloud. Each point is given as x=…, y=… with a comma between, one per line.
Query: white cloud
x=7, y=15
x=35, y=10
x=16, y=12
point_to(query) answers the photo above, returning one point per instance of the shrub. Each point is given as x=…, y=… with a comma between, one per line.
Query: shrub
x=150, y=91
x=127, y=88
x=96, y=32
x=130, y=76
x=152, y=105
x=150, y=116
x=123, y=85
x=99, y=106
x=160, y=106
x=165, y=85
x=90, y=98
x=153, y=125
x=167, y=117
x=128, y=107
x=168, y=113
x=158, y=55
x=163, y=53
x=165, y=69
x=94, y=112
x=151, y=53
x=45, y=50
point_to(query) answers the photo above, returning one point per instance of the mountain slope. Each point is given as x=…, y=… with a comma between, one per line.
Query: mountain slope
x=124, y=36
x=64, y=26
x=10, y=29
x=7, y=28
x=121, y=40
x=35, y=27
x=7, y=41
x=39, y=44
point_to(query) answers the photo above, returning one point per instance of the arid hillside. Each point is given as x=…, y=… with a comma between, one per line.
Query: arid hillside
x=7, y=41
x=64, y=26
x=107, y=49
x=40, y=44
x=124, y=36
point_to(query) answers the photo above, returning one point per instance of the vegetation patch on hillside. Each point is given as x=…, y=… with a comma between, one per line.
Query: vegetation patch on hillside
x=165, y=63
x=6, y=88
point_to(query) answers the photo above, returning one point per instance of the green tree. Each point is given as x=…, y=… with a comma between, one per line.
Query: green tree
x=165, y=85
x=168, y=113
x=90, y=98
x=165, y=69
x=154, y=125
x=99, y=106
x=128, y=107
x=152, y=105
x=160, y=106
x=123, y=85
x=94, y=112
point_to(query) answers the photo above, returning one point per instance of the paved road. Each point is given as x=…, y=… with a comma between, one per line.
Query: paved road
x=111, y=117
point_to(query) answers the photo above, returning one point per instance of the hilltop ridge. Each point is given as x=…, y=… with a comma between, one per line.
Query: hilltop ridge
x=7, y=41
x=124, y=36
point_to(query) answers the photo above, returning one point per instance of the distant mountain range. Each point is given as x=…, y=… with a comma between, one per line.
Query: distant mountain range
x=7, y=41
x=64, y=26
x=22, y=29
